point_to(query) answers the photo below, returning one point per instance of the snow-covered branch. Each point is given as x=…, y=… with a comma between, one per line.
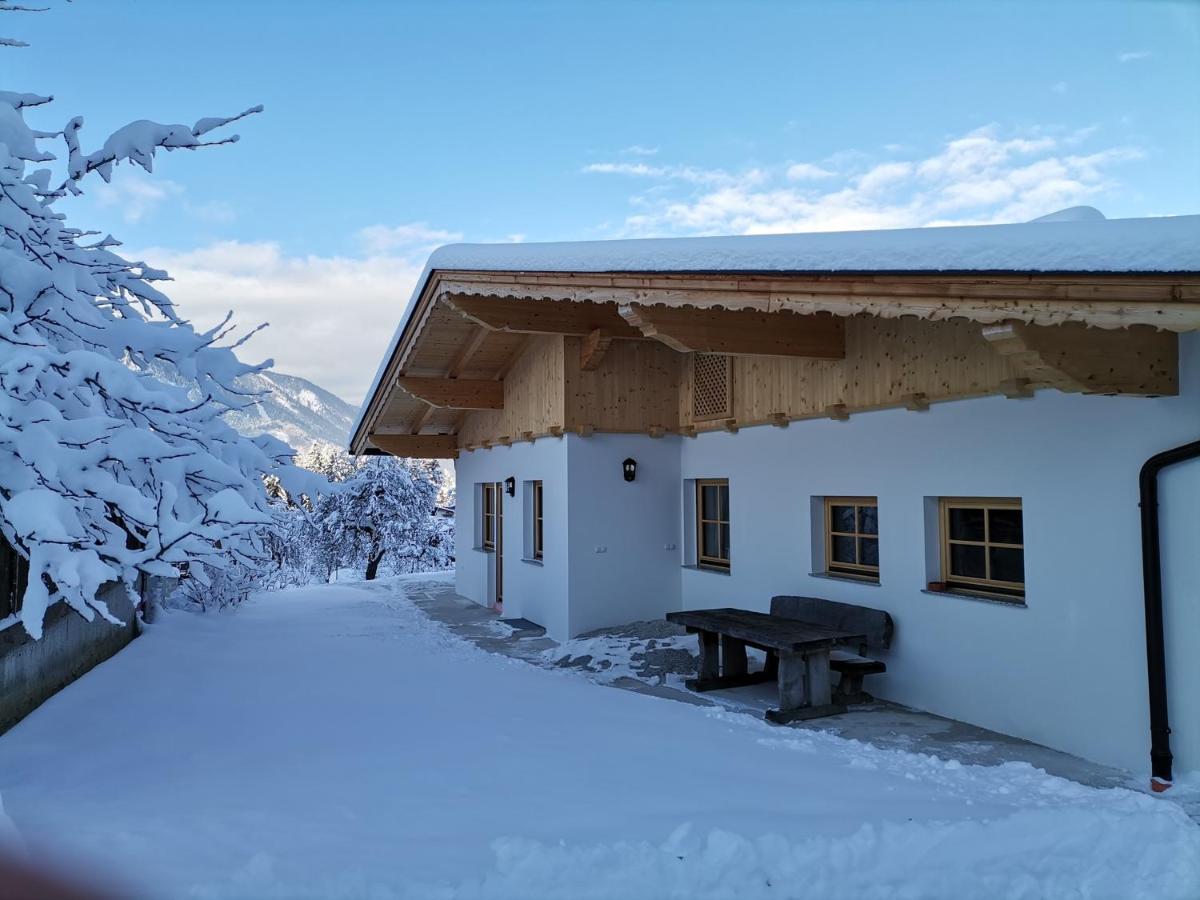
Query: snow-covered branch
x=115, y=458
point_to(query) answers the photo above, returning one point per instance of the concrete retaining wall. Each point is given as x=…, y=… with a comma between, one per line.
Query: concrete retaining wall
x=32, y=671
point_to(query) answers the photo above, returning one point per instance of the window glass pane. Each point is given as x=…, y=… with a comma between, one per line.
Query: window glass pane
x=1004, y=526
x=710, y=540
x=724, y=542
x=1008, y=564
x=868, y=551
x=842, y=550
x=841, y=518
x=708, y=501
x=868, y=520
x=724, y=492
x=966, y=524
x=967, y=561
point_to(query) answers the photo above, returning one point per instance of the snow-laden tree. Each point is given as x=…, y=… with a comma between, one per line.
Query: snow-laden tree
x=386, y=510
x=325, y=459
x=105, y=470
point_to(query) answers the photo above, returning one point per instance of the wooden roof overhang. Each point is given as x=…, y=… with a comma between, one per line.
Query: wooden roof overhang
x=467, y=328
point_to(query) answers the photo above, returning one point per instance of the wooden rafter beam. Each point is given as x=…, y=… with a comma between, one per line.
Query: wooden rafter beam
x=457, y=366
x=421, y=418
x=1138, y=361
x=468, y=350
x=454, y=393
x=740, y=331
x=592, y=350
x=417, y=446
x=541, y=316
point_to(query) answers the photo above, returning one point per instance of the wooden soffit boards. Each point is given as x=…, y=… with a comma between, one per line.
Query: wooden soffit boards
x=417, y=446
x=454, y=393
x=542, y=316
x=1139, y=361
x=748, y=332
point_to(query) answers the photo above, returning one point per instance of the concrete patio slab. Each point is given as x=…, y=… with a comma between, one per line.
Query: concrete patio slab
x=881, y=723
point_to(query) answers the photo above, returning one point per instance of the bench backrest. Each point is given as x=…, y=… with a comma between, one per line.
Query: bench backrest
x=876, y=624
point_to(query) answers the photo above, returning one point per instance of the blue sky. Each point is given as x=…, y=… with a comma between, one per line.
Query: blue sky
x=392, y=127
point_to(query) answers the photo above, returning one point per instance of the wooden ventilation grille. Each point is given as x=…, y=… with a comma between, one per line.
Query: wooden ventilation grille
x=711, y=386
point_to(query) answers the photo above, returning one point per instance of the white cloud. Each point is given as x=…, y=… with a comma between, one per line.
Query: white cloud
x=690, y=174
x=807, y=172
x=134, y=194
x=639, y=150
x=414, y=236
x=981, y=176
x=1133, y=55
x=330, y=317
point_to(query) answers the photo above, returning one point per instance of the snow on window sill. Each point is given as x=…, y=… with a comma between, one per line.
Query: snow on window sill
x=713, y=570
x=484, y=549
x=532, y=562
x=1018, y=602
x=838, y=576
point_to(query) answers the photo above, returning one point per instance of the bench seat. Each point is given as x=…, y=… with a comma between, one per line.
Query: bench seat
x=844, y=661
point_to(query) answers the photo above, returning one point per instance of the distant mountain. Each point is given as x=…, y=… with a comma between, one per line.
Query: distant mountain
x=294, y=410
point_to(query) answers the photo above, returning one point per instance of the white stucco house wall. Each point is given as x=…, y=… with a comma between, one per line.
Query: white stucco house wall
x=1062, y=662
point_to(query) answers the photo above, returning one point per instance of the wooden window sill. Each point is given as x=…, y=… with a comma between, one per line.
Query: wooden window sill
x=1018, y=602
x=841, y=576
x=484, y=549
x=531, y=561
x=715, y=570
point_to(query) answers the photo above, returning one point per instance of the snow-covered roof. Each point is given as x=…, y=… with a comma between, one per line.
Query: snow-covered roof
x=1077, y=240
x=1166, y=244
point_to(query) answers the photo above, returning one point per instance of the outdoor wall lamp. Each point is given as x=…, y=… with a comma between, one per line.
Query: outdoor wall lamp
x=510, y=486
x=629, y=467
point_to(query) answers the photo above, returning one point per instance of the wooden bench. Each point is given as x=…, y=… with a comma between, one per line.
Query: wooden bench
x=798, y=656
x=850, y=661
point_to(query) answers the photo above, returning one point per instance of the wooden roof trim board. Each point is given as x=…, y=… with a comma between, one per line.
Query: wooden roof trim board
x=1171, y=303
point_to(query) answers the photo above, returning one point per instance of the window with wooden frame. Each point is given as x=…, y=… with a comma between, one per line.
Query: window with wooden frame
x=489, y=515
x=538, y=529
x=983, y=546
x=852, y=537
x=14, y=577
x=712, y=523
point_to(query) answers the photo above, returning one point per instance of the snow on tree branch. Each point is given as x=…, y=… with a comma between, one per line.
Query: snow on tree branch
x=109, y=467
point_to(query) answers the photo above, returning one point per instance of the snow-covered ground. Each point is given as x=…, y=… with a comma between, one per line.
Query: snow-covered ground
x=334, y=742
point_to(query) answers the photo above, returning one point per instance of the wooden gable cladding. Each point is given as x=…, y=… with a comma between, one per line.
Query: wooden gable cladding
x=634, y=390
x=692, y=330
x=1138, y=361
x=889, y=363
x=533, y=396
x=454, y=393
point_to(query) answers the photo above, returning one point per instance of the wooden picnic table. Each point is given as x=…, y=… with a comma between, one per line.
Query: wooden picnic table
x=798, y=657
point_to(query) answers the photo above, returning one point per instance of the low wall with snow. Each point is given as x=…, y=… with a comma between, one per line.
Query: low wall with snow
x=32, y=671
